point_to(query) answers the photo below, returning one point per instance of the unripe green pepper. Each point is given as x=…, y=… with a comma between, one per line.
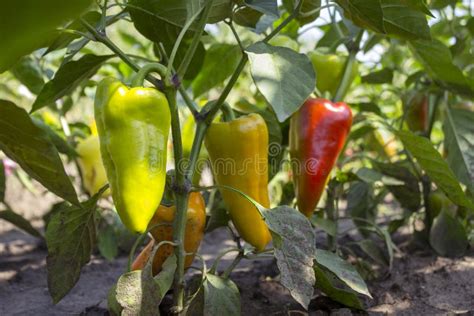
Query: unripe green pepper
x=133, y=126
x=329, y=71
x=284, y=41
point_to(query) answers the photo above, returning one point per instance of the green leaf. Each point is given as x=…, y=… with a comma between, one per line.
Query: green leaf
x=71, y=238
x=361, y=203
x=67, y=78
x=247, y=17
x=216, y=296
x=447, y=235
x=333, y=35
x=345, y=271
x=220, y=62
x=436, y=168
x=28, y=25
x=306, y=7
x=60, y=143
x=20, y=222
x=275, y=139
x=404, y=20
x=265, y=6
x=3, y=181
x=329, y=226
x=438, y=63
x=221, y=296
x=294, y=250
x=31, y=148
x=373, y=251
x=408, y=193
x=177, y=12
x=326, y=282
x=378, y=77
x=137, y=293
x=27, y=71
x=364, y=13
x=219, y=216
x=65, y=38
x=146, y=20
x=284, y=77
x=165, y=278
x=458, y=129
x=107, y=243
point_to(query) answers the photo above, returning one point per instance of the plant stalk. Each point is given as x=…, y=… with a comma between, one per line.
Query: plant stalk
x=181, y=192
x=345, y=81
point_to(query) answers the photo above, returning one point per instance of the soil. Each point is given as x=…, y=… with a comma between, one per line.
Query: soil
x=419, y=283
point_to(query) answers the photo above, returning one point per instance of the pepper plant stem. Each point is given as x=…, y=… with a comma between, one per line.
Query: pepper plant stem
x=181, y=197
x=201, y=128
x=346, y=78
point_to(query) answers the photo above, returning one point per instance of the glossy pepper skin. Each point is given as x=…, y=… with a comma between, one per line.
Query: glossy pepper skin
x=318, y=131
x=417, y=112
x=90, y=162
x=194, y=232
x=133, y=126
x=329, y=69
x=239, y=159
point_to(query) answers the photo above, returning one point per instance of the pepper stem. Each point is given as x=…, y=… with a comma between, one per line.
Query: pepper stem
x=227, y=112
x=144, y=71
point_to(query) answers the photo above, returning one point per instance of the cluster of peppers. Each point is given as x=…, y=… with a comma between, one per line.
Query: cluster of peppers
x=132, y=128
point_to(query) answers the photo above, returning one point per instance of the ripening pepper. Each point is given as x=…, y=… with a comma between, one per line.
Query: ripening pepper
x=194, y=232
x=416, y=109
x=133, y=126
x=90, y=162
x=238, y=150
x=329, y=70
x=318, y=131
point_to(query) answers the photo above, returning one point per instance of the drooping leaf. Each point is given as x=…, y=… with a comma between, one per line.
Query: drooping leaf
x=403, y=20
x=107, y=242
x=307, y=7
x=435, y=166
x=295, y=250
x=69, y=252
x=20, y=222
x=137, y=293
x=220, y=62
x=408, y=191
x=361, y=203
x=438, y=63
x=379, y=77
x=65, y=38
x=27, y=71
x=31, y=148
x=284, y=77
x=448, y=236
x=326, y=282
x=458, y=129
x=67, y=78
x=345, y=271
x=265, y=6
x=30, y=24
x=364, y=13
x=146, y=18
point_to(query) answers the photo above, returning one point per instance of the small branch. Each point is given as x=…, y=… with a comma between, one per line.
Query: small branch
x=102, y=38
x=345, y=81
x=196, y=39
x=293, y=15
x=232, y=266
